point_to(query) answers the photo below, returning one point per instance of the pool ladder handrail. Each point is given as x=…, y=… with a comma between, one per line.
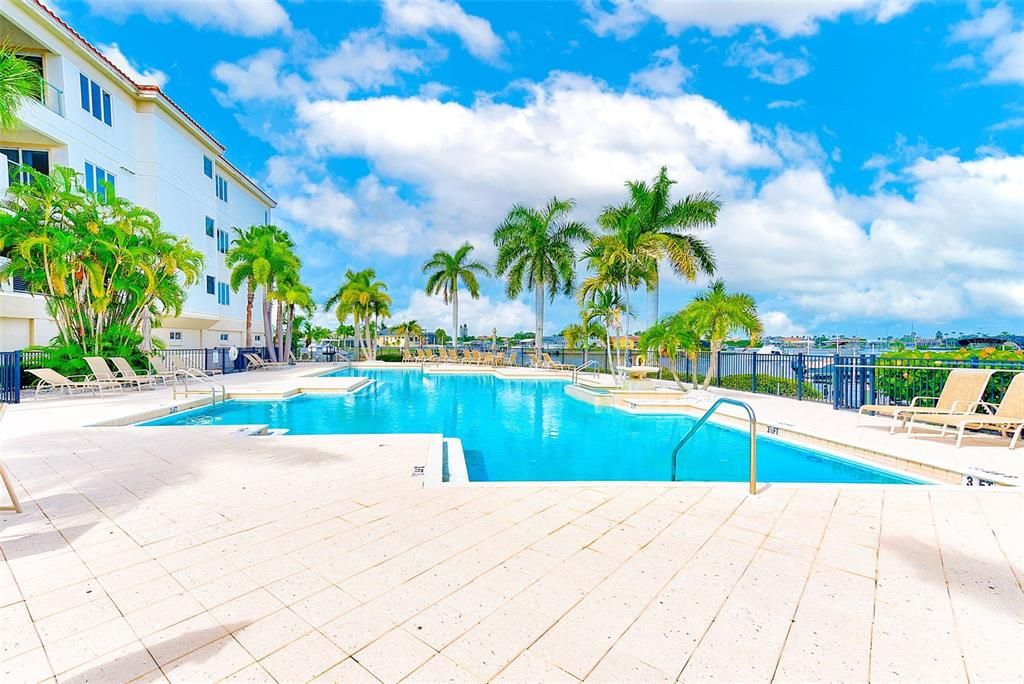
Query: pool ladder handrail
x=203, y=379
x=752, y=418
x=582, y=367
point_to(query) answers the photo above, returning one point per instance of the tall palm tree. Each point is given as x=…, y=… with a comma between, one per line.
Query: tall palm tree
x=579, y=335
x=294, y=295
x=672, y=225
x=716, y=313
x=364, y=298
x=444, y=271
x=19, y=81
x=536, y=252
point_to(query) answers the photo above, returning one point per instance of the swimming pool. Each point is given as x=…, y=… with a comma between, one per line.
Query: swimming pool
x=530, y=430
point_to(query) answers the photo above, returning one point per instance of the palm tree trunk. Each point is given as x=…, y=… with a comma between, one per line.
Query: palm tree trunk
x=455, y=317
x=288, y=339
x=652, y=298
x=608, y=348
x=538, y=323
x=713, y=365
x=358, y=336
x=250, y=295
x=268, y=328
x=279, y=332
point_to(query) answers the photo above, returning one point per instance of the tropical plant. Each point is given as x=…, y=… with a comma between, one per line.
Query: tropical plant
x=444, y=270
x=19, y=82
x=103, y=262
x=580, y=335
x=536, y=252
x=669, y=337
x=440, y=336
x=610, y=308
x=671, y=225
x=407, y=330
x=717, y=313
x=365, y=299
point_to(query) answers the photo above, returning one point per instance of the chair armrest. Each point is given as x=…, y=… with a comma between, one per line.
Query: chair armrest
x=913, y=402
x=971, y=406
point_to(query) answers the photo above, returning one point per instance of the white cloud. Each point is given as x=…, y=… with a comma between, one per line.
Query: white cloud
x=243, y=17
x=140, y=76
x=765, y=65
x=1003, y=40
x=481, y=315
x=778, y=323
x=363, y=60
x=1008, y=124
x=786, y=104
x=421, y=17
x=882, y=255
x=572, y=137
x=723, y=17
x=263, y=76
x=664, y=76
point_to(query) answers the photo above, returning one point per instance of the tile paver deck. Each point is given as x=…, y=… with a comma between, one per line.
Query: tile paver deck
x=188, y=555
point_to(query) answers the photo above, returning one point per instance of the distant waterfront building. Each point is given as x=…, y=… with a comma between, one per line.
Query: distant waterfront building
x=463, y=330
x=93, y=118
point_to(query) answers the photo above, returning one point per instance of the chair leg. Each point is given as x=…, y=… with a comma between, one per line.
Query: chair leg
x=10, y=492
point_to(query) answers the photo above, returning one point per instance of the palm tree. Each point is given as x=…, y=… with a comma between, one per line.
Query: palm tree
x=671, y=225
x=364, y=298
x=608, y=306
x=579, y=335
x=294, y=294
x=535, y=251
x=19, y=81
x=440, y=336
x=407, y=330
x=669, y=337
x=444, y=271
x=716, y=314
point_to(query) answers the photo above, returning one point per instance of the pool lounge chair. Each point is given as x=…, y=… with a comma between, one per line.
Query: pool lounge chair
x=554, y=365
x=488, y=359
x=101, y=373
x=161, y=369
x=961, y=394
x=178, y=364
x=1007, y=419
x=126, y=372
x=8, y=485
x=50, y=380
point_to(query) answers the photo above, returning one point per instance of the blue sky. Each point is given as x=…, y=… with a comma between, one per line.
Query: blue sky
x=870, y=153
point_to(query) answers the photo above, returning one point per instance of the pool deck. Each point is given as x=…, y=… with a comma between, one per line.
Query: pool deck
x=195, y=554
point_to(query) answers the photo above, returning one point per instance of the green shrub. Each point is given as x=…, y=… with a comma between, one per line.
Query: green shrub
x=389, y=355
x=917, y=373
x=769, y=384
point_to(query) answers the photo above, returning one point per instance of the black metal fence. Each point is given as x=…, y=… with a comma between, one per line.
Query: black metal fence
x=14, y=364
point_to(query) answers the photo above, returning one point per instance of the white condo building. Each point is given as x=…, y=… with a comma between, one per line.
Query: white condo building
x=96, y=120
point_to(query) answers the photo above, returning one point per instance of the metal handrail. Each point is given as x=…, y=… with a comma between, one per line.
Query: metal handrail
x=582, y=367
x=187, y=373
x=753, y=437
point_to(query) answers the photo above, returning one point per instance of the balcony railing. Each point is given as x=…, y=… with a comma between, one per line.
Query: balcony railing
x=51, y=97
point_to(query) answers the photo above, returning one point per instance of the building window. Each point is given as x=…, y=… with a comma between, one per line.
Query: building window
x=257, y=338
x=211, y=284
x=223, y=337
x=95, y=177
x=222, y=241
x=36, y=159
x=95, y=100
x=222, y=188
x=175, y=337
x=223, y=294
x=207, y=167
x=209, y=226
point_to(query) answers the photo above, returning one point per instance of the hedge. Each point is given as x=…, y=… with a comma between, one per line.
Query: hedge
x=769, y=384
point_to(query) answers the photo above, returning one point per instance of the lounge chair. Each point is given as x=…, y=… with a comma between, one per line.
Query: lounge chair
x=554, y=365
x=101, y=373
x=488, y=359
x=1008, y=418
x=961, y=394
x=536, y=361
x=127, y=373
x=428, y=356
x=8, y=485
x=50, y=380
x=179, y=365
x=161, y=369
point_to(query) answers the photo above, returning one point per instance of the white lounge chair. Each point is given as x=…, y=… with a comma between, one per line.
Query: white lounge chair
x=126, y=373
x=961, y=393
x=1008, y=418
x=8, y=485
x=50, y=380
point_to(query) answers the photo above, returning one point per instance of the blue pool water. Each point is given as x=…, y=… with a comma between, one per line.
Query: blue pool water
x=530, y=430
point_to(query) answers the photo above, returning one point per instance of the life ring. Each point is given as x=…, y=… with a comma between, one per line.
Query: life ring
x=233, y=353
x=641, y=360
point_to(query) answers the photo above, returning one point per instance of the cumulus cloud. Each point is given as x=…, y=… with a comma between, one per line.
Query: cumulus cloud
x=242, y=17
x=263, y=76
x=137, y=74
x=766, y=65
x=1001, y=38
x=422, y=17
x=778, y=323
x=480, y=315
x=786, y=104
x=621, y=18
x=664, y=76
